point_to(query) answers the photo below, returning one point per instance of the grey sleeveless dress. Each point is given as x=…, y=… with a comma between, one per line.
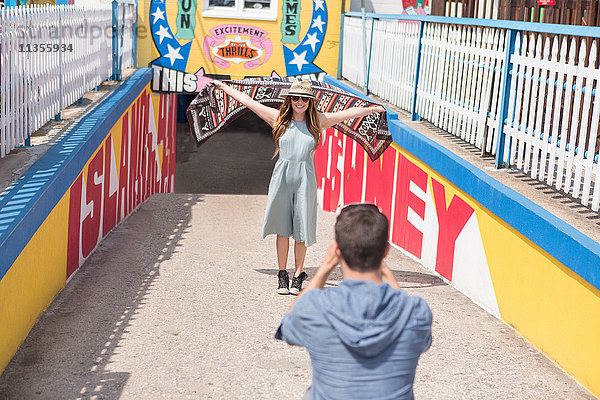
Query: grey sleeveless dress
x=292, y=201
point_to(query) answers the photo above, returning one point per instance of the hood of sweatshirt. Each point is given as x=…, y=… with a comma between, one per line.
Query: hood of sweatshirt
x=368, y=317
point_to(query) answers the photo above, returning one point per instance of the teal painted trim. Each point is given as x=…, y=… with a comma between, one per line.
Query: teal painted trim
x=27, y=203
x=562, y=241
x=364, y=43
x=414, y=115
x=574, y=30
x=340, y=48
x=504, y=106
x=369, y=60
x=116, y=72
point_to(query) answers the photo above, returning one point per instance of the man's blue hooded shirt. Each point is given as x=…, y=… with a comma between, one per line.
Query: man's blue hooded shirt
x=364, y=339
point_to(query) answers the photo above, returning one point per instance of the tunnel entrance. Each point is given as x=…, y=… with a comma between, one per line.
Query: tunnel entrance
x=237, y=160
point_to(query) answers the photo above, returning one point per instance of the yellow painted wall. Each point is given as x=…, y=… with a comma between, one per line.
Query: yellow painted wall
x=326, y=59
x=547, y=303
x=554, y=309
x=33, y=281
x=39, y=272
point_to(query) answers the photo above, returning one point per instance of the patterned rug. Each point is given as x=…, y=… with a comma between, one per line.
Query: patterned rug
x=212, y=110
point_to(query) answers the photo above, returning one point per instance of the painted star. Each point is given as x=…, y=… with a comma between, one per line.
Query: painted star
x=158, y=15
x=319, y=5
x=201, y=80
x=318, y=24
x=311, y=39
x=173, y=54
x=299, y=60
x=163, y=33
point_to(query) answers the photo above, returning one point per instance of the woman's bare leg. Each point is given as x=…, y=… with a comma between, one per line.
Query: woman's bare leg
x=299, y=255
x=283, y=247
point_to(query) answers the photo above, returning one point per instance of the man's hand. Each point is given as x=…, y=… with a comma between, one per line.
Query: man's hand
x=387, y=275
x=331, y=260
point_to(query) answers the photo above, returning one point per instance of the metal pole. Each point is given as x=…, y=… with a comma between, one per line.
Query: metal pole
x=341, y=47
x=369, y=62
x=115, y=39
x=510, y=49
x=414, y=115
x=58, y=117
x=364, y=41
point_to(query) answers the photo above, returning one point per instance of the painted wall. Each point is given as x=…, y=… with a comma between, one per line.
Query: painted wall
x=523, y=265
x=184, y=45
x=71, y=198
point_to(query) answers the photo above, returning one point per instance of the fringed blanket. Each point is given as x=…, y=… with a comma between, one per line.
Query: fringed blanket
x=212, y=110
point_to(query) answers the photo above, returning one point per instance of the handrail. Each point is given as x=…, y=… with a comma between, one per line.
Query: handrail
x=489, y=119
x=574, y=30
x=23, y=67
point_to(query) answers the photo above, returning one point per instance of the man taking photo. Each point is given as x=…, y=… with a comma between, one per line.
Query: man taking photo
x=364, y=336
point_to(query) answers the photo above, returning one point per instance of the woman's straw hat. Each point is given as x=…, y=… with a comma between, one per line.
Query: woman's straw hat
x=300, y=88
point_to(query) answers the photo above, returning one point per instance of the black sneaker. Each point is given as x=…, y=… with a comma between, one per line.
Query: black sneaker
x=284, y=282
x=297, y=283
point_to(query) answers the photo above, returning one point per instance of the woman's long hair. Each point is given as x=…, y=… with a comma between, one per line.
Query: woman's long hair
x=285, y=116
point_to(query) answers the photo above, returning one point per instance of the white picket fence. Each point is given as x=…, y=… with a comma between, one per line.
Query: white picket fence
x=353, y=45
x=466, y=106
x=127, y=15
x=49, y=57
x=551, y=128
x=395, y=52
x=393, y=63
x=552, y=124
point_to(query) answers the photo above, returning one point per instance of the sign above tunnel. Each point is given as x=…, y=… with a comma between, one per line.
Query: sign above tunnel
x=190, y=44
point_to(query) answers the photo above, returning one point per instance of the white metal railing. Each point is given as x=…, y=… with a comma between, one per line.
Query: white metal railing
x=49, y=57
x=540, y=112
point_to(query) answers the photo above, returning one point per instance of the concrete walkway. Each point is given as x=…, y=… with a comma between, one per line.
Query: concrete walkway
x=179, y=302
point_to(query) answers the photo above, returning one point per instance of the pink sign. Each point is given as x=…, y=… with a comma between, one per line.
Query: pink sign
x=238, y=44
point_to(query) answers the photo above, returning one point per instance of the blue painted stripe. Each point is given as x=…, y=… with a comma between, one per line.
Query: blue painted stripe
x=588, y=31
x=559, y=239
x=67, y=156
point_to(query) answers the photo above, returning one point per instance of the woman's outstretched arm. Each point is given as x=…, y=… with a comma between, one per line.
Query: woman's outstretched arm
x=327, y=120
x=268, y=114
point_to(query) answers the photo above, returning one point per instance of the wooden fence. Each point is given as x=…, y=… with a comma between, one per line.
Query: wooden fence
x=529, y=97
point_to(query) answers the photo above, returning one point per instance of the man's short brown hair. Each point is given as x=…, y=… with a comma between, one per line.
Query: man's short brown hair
x=361, y=232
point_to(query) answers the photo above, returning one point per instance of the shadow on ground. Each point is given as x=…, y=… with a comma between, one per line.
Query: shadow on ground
x=67, y=353
x=406, y=279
